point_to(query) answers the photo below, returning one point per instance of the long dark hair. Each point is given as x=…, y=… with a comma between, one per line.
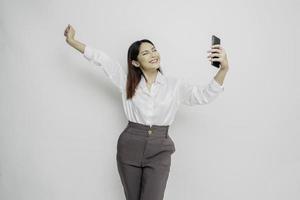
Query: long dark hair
x=134, y=73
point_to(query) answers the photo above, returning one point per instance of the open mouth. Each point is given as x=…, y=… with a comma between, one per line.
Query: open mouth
x=154, y=61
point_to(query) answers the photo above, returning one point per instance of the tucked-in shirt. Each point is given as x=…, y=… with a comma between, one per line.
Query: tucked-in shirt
x=157, y=106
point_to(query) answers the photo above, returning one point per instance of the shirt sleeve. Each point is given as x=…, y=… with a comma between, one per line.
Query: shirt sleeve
x=113, y=70
x=191, y=95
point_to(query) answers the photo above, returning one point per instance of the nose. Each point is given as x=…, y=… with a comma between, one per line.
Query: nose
x=153, y=54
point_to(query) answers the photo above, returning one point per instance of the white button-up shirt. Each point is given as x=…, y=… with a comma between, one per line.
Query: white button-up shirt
x=158, y=105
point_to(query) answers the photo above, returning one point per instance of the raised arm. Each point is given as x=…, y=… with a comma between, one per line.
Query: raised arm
x=113, y=70
x=190, y=94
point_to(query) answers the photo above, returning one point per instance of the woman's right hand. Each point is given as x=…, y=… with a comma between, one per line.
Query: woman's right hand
x=69, y=33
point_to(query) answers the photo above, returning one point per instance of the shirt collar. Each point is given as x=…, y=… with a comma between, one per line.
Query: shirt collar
x=160, y=79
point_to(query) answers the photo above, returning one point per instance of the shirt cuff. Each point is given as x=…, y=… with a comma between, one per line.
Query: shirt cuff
x=216, y=86
x=88, y=52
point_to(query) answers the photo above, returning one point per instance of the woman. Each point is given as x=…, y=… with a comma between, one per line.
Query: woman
x=150, y=101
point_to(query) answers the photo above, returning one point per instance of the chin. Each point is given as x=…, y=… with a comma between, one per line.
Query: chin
x=153, y=67
x=156, y=67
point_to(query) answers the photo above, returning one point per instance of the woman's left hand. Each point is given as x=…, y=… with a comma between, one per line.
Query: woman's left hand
x=220, y=54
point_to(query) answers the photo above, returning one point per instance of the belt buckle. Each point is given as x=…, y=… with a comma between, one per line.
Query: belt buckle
x=150, y=131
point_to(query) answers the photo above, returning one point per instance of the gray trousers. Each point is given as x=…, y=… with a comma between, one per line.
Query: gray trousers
x=144, y=160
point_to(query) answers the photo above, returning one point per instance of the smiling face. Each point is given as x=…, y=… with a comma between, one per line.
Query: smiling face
x=148, y=57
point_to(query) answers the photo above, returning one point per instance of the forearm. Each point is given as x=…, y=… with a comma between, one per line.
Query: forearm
x=220, y=76
x=77, y=45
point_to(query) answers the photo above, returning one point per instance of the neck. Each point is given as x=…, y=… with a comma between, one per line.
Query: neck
x=150, y=75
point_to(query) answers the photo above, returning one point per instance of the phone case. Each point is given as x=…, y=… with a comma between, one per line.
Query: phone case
x=215, y=40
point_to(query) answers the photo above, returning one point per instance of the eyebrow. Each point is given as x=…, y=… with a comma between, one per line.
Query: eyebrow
x=148, y=50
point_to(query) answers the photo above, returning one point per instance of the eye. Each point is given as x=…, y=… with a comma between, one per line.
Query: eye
x=147, y=53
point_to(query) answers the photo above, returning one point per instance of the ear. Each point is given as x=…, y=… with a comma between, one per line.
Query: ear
x=135, y=63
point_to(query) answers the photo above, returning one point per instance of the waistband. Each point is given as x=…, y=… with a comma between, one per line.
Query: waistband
x=147, y=130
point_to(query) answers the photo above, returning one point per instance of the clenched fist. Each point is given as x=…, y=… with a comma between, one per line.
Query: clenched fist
x=69, y=33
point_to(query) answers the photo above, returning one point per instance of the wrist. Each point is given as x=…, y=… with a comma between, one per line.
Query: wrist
x=70, y=40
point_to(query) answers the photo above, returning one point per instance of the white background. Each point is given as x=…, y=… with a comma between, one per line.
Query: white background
x=61, y=116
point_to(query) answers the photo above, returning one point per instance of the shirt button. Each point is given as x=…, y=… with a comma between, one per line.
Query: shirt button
x=150, y=131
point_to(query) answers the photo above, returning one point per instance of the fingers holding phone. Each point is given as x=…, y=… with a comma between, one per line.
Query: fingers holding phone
x=217, y=55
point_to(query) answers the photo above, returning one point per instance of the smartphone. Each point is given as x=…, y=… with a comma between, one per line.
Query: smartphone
x=215, y=40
